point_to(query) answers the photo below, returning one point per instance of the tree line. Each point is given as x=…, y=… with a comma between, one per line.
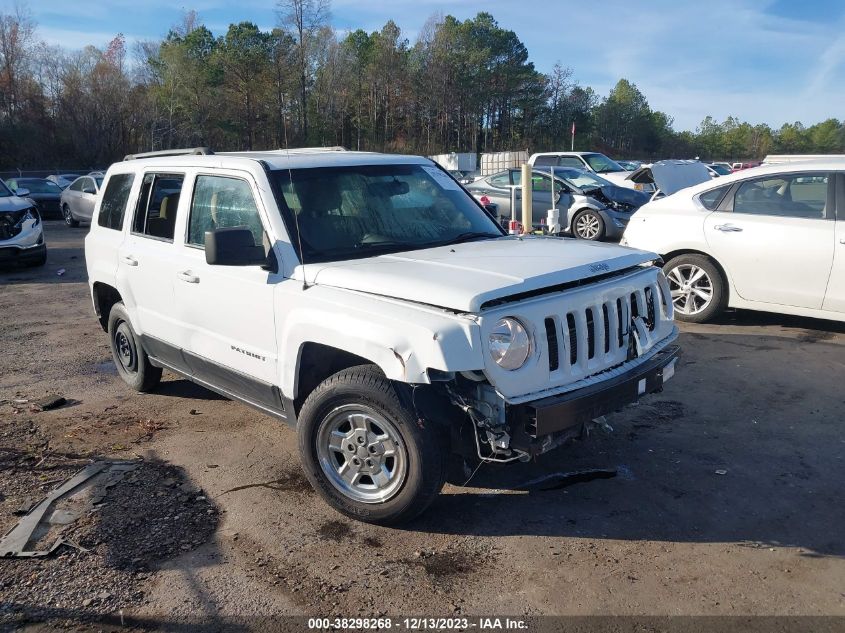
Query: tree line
x=466, y=86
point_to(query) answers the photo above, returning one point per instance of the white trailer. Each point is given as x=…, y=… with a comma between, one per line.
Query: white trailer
x=465, y=162
x=493, y=162
x=774, y=159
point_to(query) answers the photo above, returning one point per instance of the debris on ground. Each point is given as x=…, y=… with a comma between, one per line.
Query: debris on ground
x=135, y=526
x=64, y=505
x=49, y=402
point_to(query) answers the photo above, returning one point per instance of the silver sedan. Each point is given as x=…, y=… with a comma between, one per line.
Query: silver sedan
x=78, y=199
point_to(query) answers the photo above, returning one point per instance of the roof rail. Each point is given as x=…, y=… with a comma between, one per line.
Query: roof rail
x=308, y=150
x=190, y=151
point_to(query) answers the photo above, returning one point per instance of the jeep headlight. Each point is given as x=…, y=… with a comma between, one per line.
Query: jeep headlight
x=510, y=343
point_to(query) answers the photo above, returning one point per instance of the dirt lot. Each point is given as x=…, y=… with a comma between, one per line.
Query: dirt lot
x=728, y=498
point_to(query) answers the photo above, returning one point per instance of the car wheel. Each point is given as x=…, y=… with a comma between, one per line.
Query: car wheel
x=68, y=216
x=36, y=263
x=588, y=225
x=365, y=452
x=698, y=289
x=132, y=362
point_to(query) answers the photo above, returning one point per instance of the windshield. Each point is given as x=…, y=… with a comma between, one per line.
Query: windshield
x=581, y=179
x=367, y=210
x=601, y=164
x=39, y=186
x=5, y=192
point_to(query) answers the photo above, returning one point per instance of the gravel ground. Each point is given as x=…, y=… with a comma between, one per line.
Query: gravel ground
x=726, y=500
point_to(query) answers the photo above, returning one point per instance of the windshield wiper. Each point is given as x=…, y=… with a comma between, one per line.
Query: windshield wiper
x=468, y=236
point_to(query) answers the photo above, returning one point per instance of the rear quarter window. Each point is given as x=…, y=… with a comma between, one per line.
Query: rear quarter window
x=115, y=197
x=711, y=199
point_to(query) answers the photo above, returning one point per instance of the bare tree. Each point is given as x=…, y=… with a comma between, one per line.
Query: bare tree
x=17, y=38
x=303, y=19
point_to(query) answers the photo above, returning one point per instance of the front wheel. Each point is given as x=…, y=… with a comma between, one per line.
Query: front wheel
x=68, y=216
x=365, y=452
x=699, y=292
x=588, y=225
x=132, y=362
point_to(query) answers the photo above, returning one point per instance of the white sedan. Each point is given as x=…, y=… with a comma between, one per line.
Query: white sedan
x=770, y=238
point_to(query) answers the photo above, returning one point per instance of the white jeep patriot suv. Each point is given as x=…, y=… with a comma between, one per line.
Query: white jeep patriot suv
x=371, y=302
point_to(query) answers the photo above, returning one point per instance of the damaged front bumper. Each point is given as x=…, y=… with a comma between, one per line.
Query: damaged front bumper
x=506, y=432
x=535, y=423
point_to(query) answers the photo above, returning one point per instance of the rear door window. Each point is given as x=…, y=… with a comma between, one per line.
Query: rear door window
x=571, y=161
x=155, y=214
x=801, y=195
x=500, y=180
x=115, y=197
x=545, y=161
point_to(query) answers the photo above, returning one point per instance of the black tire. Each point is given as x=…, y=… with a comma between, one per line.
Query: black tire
x=37, y=263
x=717, y=284
x=68, y=217
x=594, y=219
x=132, y=362
x=424, y=444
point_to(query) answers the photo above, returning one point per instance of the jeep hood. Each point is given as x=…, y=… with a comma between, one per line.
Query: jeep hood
x=465, y=276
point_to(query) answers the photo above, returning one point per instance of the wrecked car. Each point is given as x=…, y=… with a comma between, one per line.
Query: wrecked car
x=374, y=305
x=666, y=177
x=21, y=231
x=591, y=208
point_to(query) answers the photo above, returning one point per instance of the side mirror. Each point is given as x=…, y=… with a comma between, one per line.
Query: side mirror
x=89, y=190
x=22, y=192
x=233, y=246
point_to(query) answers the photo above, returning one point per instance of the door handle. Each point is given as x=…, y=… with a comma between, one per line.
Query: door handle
x=842, y=241
x=129, y=260
x=188, y=277
x=728, y=228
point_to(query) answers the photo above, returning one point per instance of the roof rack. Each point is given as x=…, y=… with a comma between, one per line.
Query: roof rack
x=190, y=151
x=308, y=150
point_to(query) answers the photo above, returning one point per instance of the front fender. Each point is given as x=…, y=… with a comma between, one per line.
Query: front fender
x=402, y=338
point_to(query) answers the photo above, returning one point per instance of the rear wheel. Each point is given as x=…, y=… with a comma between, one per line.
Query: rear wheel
x=68, y=216
x=699, y=292
x=588, y=225
x=132, y=362
x=365, y=452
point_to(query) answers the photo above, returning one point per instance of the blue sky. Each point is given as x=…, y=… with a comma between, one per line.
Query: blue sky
x=771, y=61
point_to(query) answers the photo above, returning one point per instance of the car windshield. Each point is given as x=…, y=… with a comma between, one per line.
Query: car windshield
x=601, y=164
x=365, y=210
x=39, y=186
x=721, y=170
x=5, y=192
x=581, y=179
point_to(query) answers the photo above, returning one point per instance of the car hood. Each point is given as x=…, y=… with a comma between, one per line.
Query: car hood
x=670, y=176
x=13, y=203
x=622, y=195
x=617, y=177
x=465, y=276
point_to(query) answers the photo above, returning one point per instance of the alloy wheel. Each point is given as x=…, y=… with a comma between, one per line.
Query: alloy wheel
x=587, y=226
x=691, y=288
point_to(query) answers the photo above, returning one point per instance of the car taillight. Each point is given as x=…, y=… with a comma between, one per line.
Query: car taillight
x=484, y=200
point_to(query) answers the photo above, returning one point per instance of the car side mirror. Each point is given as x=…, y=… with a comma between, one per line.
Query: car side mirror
x=89, y=190
x=233, y=246
x=22, y=192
